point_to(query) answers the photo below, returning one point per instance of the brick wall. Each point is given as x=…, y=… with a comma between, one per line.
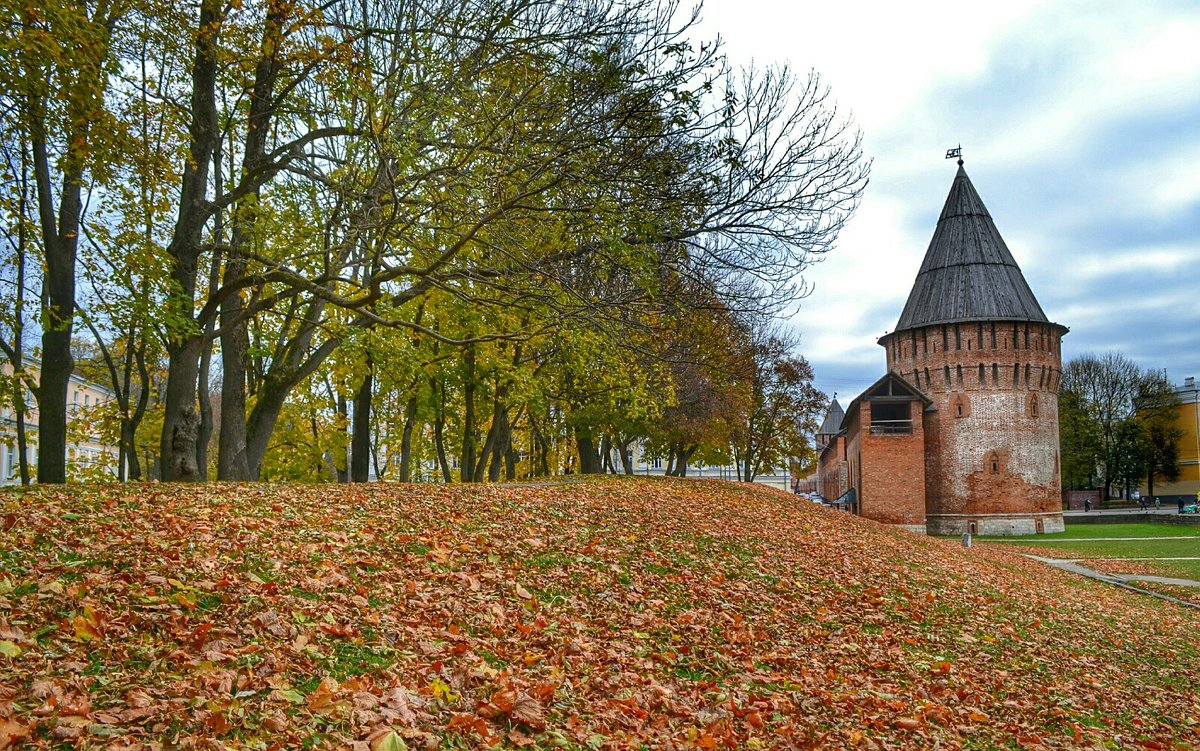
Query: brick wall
x=992, y=441
x=892, y=487
x=832, y=477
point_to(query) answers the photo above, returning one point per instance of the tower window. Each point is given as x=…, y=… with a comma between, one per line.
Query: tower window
x=993, y=334
x=1015, y=342
x=995, y=374
x=1016, y=375
x=961, y=406
x=945, y=338
x=947, y=372
x=957, y=336
x=958, y=369
x=982, y=374
x=1033, y=407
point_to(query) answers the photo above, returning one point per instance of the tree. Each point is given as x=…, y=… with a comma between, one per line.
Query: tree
x=1108, y=403
x=1080, y=443
x=1160, y=453
x=58, y=60
x=784, y=407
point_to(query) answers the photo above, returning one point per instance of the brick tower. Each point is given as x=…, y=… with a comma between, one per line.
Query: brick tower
x=975, y=340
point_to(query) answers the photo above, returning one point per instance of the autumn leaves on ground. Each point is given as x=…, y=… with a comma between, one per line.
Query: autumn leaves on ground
x=609, y=614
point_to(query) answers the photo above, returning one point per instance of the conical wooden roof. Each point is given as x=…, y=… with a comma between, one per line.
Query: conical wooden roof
x=968, y=273
x=833, y=419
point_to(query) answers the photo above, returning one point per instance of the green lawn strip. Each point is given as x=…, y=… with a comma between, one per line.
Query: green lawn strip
x=1133, y=529
x=1153, y=548
x=1122, y=549
x=1098, y=543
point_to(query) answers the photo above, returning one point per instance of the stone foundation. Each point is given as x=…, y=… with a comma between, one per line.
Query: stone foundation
x=993, y=524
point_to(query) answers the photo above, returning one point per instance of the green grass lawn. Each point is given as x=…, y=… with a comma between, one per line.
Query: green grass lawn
x=1096, y=541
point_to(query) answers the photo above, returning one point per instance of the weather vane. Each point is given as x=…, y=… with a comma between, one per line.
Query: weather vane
x=955, y=152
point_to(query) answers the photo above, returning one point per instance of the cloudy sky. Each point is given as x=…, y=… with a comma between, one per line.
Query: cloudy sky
x=1080, y=128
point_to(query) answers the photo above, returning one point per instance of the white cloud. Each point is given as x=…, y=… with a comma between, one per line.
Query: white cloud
x=1079, y=120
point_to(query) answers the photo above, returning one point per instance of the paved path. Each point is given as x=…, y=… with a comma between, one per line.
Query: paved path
x=1121, y=580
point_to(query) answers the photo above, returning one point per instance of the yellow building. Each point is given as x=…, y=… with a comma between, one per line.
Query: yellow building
x=1188, y=421
x=87, y=457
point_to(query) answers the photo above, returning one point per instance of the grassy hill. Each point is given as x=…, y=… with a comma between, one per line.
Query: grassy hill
x=611, y=614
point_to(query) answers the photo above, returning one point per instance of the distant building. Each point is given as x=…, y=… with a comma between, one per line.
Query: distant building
x=1187, y=419
x=87, y=457
x=961, y=435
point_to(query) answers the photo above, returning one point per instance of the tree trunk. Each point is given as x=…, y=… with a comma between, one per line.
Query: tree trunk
x=22, y=441
x=177, y=452
x=410, y=419
x=360, y=440
x=60, y=240
x=541, y=449
x=135, y=468
x=273, y=394
x=466, y=470
x=589, y=460
x=627, y=457
x=341, y=464
x=490, y=457
x=510, y=460
x=204, y=436
x=233, y=461
x=19, y=332
x=500, y=445
x=439, y=424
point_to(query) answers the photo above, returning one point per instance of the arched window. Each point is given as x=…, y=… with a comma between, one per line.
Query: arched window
x=961, y=405
x=1033, y=406
x=992, y=463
